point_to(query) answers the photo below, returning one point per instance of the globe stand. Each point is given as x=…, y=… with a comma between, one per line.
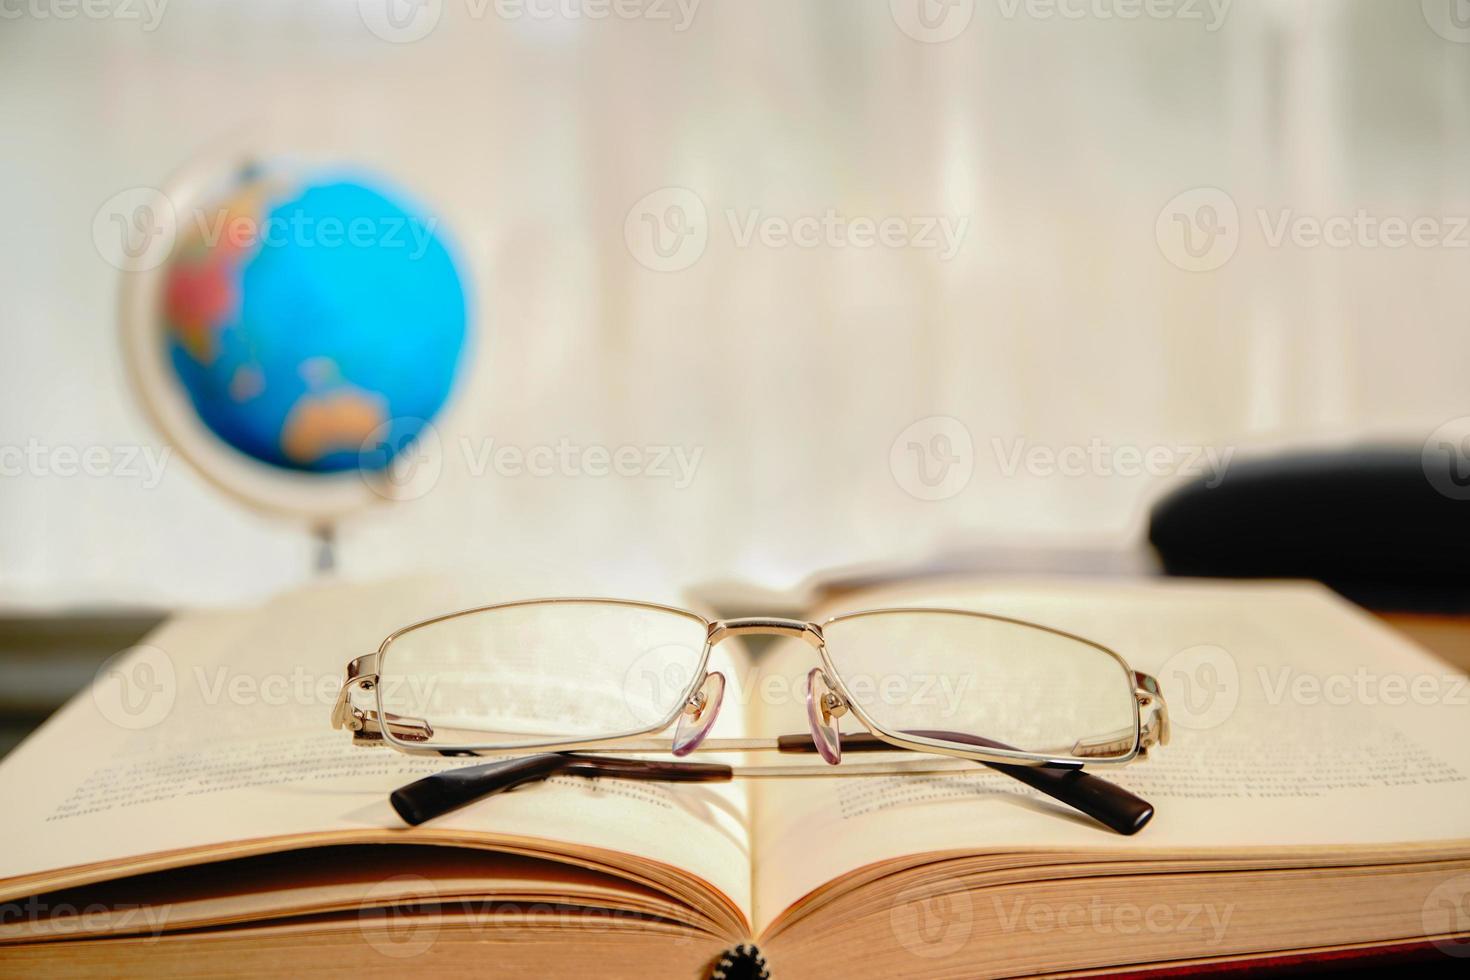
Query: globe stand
x=326, y=548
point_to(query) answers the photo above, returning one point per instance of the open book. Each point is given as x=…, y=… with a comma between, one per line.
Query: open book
x=195, y=813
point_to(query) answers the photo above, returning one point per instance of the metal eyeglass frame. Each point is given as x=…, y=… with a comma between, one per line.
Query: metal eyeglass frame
x=1058, y=776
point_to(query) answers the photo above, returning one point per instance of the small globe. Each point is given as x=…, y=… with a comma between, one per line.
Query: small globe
x=314, y=324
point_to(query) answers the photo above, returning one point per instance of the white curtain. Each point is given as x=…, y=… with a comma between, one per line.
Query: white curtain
x=1061, y=323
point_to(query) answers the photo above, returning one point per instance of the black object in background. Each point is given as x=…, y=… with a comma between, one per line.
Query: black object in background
x=1370, y=523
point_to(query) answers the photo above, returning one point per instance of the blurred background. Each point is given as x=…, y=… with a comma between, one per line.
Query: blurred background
x=843, y=282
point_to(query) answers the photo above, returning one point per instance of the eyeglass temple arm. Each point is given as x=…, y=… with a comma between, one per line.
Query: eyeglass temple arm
x=433, y=796
x=1107, y=803
x=438, y=794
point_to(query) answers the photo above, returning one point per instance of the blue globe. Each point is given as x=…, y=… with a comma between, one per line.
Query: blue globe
x=316, y=325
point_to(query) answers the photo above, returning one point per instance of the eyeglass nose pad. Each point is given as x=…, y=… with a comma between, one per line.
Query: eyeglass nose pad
x=699, y=714
x=823, y=707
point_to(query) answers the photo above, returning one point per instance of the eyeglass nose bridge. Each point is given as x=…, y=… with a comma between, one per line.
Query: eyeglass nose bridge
x=765, y=626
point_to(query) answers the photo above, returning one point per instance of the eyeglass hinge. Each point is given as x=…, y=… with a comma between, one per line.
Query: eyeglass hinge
x=346, y=714
x=366, y=725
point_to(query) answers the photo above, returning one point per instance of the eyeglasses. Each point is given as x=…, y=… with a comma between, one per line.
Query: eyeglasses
x=549, y=680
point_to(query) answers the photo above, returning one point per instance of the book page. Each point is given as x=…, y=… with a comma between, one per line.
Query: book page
x=216, y=731
x=1298, y=722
